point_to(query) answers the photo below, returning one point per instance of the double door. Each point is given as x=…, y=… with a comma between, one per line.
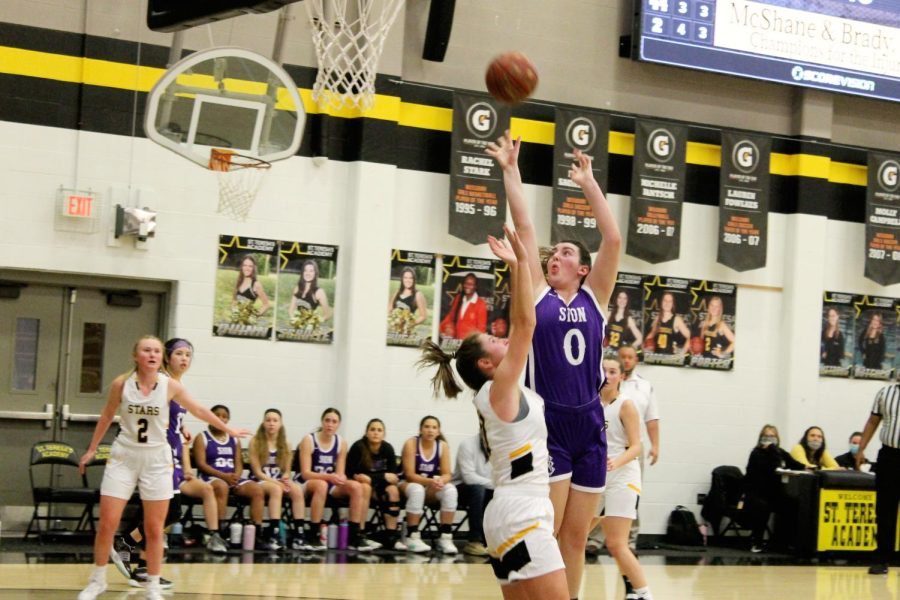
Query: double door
x=61, y=345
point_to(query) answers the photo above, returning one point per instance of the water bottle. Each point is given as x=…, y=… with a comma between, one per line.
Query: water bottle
x=332, y=536
x=282, y=533
x=234, y=534
x=249, y=537
x=323, y=534
x=343, y=535
x=176, y=534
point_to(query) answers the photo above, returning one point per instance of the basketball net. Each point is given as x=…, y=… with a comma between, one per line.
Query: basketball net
x=240, y=178
x=349, y=37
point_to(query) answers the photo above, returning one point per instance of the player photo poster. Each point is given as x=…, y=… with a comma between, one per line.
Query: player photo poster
x=667, y=320
x=477, y=196
x=883, y=218
x=410, y=298
x=245, y=287
x=306, y=292
x=657, y=191
x=572, y=217
x=713, y=305
x=744, y=200
x=467, y=292
x=626, y=313
x=876, y=338
x=498, y=315
x=836, y=347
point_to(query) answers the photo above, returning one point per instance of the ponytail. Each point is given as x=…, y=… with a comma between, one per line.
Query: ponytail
x=467, y=357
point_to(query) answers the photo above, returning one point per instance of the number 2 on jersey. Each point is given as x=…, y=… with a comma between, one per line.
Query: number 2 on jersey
x=143, y=424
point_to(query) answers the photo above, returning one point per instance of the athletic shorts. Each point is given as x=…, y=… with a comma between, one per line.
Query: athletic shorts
x=519, y=533
x=147, y=469
x=576, y=440
x=302, y=484
x=210, y=479
x=623, y=492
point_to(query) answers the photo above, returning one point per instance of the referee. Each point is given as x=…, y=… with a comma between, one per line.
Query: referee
x=887, y=482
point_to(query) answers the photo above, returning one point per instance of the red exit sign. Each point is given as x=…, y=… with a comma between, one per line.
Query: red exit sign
x=75, y=205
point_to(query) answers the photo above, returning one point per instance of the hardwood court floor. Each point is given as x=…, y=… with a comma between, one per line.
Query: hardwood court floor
x=453, y=580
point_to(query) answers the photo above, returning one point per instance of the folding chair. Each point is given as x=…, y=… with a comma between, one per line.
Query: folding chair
x=57, y=461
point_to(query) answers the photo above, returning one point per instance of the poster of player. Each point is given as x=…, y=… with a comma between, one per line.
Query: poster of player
x=667, y=320
x=713, y=307
x=467, y=296
x=410, y=298
x=836, y=346
x=245, y=287
x=876, y=337
x=626, y=313
x=498, y=317
x=306, y=279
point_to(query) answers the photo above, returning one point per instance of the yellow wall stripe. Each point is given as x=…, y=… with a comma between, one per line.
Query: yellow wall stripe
x=102, y=73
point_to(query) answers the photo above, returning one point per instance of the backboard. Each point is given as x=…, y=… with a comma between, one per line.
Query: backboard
x=227, y=98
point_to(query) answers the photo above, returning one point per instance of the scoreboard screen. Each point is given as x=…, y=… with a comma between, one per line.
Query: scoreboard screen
x=848, y=46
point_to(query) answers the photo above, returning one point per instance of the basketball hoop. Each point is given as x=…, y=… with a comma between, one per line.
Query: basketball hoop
x=349, y=37
x=240, y=178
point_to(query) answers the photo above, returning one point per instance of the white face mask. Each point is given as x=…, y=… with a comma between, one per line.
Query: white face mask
x=767, y=440
x=814, y=444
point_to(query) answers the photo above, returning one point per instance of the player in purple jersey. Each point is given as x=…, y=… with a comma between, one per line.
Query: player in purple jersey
x=564, y=365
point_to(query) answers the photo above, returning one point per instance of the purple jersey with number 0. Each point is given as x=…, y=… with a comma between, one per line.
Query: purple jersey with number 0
x=564, y=365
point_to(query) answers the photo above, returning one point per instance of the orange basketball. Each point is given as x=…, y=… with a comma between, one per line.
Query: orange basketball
x=511, y=78
x=649, y=344
x=697, y=345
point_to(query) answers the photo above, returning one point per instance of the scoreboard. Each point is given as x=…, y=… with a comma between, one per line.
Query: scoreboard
x=848, y=46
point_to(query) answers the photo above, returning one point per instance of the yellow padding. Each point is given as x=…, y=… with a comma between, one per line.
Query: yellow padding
x=635, y=488
x=520, y=451
x=502, y=548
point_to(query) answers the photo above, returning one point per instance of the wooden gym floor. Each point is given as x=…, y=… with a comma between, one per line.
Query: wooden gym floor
x=50, y=574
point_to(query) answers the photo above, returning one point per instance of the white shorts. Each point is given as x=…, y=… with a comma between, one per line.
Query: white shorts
x=148, y=469
x=623, y=492
x=519, y=534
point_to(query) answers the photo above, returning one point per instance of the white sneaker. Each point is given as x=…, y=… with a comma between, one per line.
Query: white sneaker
x=415, y=544
x=400, y=546
x=216, y=544
x=372, y=543
x=446, y=545
x=154, y=592
x=94, y=588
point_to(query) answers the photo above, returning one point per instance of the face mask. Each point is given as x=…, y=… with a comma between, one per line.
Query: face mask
x=814, y=444
x=767, y=440
x=854, y=448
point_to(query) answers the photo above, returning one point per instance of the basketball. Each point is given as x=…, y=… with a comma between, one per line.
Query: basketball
x=511, y=78
x=697, y=345
x=649, y=344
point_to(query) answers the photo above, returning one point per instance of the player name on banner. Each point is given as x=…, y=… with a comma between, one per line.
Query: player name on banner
x=883, y=218
x=876, y=337
x=477, y=196
x=245, y=287
x=667, y=320
x=713, y=312
x=657, y=191
x=744, y=201
x=572, y=217
x=836, y=346
x=411, y=297
x=467, y=296
x=626, y=313
x=306, y=284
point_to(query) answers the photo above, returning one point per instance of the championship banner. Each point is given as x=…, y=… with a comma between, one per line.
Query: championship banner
x=744, y=201
x=626, y=313
x=245, y=287
x=411, y=295
x=572, y=217
x=713, y=307
x=876, y=337
x=306, y=292
x=667, y=319
x=477, y=196
x=883, y=218
x=467, y=289
x=657, y=191
x=498, y=317
x=836, y=347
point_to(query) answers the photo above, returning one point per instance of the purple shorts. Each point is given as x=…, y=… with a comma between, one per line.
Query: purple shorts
x=576, y=440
